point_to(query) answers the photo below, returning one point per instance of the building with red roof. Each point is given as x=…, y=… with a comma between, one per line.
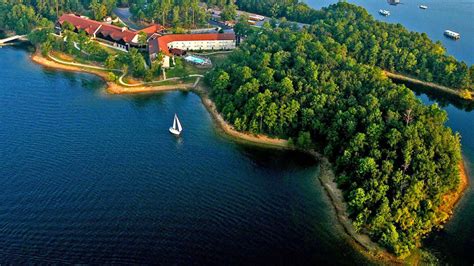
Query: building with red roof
x=118, y=36
x=156, y=42
x=189, y=42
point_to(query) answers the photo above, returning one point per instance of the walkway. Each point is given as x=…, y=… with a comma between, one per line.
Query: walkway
x=214, y=53
x=12, y=38
x=120, y=80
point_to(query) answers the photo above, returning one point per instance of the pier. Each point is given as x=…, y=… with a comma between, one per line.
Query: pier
x=13, y=38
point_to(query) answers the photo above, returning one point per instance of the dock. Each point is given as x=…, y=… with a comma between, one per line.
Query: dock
x=13, y=38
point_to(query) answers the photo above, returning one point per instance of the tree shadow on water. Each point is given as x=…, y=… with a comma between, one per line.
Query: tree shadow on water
x=275, y=158
x=442, y=98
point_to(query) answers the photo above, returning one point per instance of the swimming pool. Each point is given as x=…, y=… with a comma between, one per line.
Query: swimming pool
x=194, y=59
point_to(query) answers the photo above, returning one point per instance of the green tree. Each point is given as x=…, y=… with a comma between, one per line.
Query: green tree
x=229, y=12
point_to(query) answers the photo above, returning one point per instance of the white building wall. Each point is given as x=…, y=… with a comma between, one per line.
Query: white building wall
x=166, y=61
x=203, y=45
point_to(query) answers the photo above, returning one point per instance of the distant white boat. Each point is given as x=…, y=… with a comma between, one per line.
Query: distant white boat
x=452, y=34
x=423, y=7
x=176, y=128
x=384, y=12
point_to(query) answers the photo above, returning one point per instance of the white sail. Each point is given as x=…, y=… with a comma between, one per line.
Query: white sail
x=176, y=128
x=180, y=128
x=174, y=122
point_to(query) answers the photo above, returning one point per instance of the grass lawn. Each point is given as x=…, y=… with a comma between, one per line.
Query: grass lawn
x=218, y=59
x=174, y=82
x=74, y=58
x=111, y=51
x=193, y=69
x=176, y=72
x=131, y=80
x=62, y=56
x=183, y=68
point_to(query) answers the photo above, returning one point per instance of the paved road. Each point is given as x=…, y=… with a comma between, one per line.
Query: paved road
x=267, y=19
x=125, y=15
x=218, y=24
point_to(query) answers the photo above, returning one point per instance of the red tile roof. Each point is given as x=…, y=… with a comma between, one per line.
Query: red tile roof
x=117, y=33
x=163, y=41
x=153, y=29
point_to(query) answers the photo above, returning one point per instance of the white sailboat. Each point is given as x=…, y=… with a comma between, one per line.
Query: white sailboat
x=176, y=128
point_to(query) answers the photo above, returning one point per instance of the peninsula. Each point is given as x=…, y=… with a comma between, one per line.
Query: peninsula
x=395, y=167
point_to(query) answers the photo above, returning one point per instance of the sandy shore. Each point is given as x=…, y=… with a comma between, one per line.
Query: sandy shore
x=112, y=87
x=450, y=200
x=361, y=241
x=38, y=58
x=229, y=129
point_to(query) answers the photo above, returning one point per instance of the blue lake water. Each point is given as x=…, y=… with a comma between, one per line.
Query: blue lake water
x=88, y=177
x=441, y=15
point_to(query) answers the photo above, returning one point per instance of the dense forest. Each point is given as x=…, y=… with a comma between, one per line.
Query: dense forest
x=392, y=47
x=389, y=46
x=23, y=16
x=394, y=157
x=177, y=13
x=293, y=10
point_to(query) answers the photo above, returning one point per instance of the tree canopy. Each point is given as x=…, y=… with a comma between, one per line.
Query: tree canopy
x=394, y=158
x=388, y=46
x=26, y=15
x=291, y=9
x=177, y=13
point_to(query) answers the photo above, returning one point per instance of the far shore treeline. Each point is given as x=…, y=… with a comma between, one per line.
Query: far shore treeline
x=320, y=87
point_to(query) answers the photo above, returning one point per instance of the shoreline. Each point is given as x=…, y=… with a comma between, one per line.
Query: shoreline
x=41, y=60
x=112, y=87
x=432, y=85
x=452, y=199
x=361, y=242
x=117, y=89
x=258, y=139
